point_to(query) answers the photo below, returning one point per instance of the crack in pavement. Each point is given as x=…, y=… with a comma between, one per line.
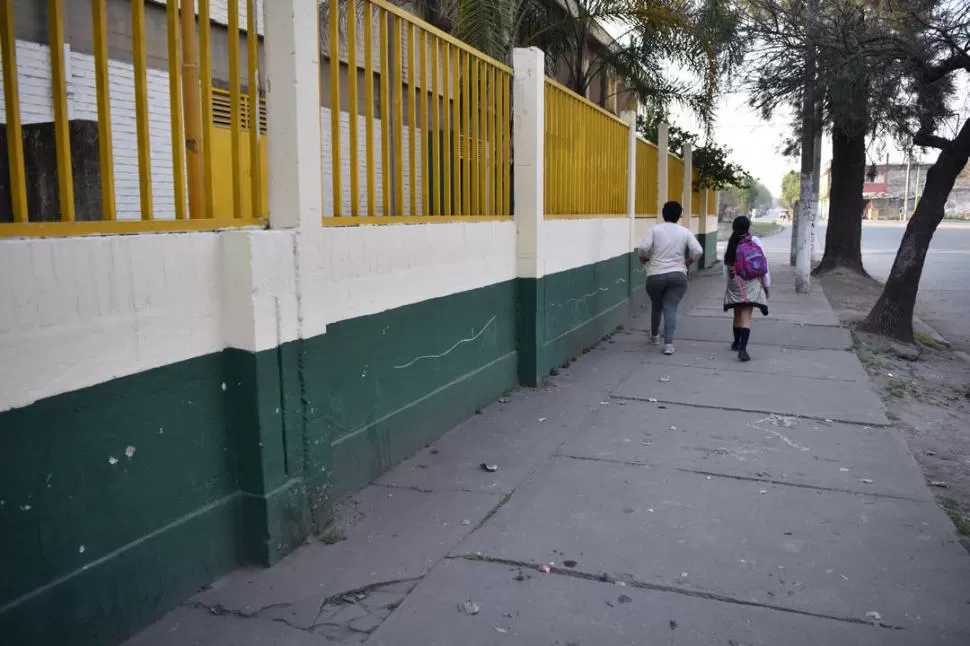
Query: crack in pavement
x=798, y=485
x=656, y=587
x=731, y=476
x=756, y=411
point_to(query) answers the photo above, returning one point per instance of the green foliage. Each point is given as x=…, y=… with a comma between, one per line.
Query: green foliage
x=714, y=169
x=790, y=189
x=741, y=200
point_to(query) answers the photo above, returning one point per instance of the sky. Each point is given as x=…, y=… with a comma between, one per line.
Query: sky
x=754, y=142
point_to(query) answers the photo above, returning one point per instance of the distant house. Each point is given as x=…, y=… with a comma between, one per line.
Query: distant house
x=888, y=195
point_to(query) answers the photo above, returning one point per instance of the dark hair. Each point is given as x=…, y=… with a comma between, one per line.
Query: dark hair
x=672, y=211
x=740, y=228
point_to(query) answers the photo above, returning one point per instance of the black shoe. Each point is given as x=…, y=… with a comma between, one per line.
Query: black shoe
x=736, y=346
x=744, y=356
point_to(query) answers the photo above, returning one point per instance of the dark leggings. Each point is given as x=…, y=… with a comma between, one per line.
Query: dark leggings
x=665, y=292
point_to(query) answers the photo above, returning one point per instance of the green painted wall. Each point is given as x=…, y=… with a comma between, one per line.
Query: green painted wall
x=638, y=280
x=239, y=455
x=709, y=243
x=90, y=550
x=580, y=306
x=562, y=314
x=378, y=388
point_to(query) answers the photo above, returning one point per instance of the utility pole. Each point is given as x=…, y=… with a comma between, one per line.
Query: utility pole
x=808, y=200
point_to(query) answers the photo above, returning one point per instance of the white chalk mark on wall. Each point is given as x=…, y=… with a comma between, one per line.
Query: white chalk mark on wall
x=449, y=350
x=581, y=299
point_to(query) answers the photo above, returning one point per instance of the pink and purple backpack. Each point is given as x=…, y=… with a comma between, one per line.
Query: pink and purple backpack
x=749, y=260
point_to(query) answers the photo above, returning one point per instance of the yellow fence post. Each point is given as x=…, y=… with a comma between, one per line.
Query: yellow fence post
x=369, y=106
x=352, y=108
x=11, y=98
x=255, y=156
x=192, y=108
x=235, y=106
x=62, y=125
x=175, y=108
x=100, y=29
x=205, y=62
x=142, y=126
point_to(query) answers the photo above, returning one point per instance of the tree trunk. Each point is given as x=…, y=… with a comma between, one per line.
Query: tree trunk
x=892, y=315
x=843, y=238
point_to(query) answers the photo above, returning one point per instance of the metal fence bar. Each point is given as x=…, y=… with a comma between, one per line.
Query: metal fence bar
x=175, y=108
x=100, y=35
x=398, y=80
x=62, y=126
x=412, y=123
x=11, y=99
x=352, y=105
x=334, y=39
x=423, y=43
x=436, y=160
x=255, y=156
x=205, y=63
x=369, y=106
x=142, y=127
x=385, y=99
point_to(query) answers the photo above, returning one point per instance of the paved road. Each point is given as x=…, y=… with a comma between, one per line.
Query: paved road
x=944, y=296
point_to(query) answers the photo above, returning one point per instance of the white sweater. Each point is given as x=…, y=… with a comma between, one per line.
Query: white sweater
x=666, y=247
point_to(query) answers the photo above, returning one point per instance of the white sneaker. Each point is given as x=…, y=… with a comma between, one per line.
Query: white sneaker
x=669, y=349
x=655, y=340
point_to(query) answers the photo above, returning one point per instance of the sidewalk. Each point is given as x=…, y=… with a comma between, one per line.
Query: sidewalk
x=676, y=500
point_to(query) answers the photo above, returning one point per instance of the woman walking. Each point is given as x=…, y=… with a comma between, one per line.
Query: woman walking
x=748, y=282
x=667, y=249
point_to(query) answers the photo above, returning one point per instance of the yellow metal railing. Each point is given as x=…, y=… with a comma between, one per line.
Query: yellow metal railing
x=195, y=203
x=585, y=157
x=675, y=180
x=646, y=197
x=435, y=139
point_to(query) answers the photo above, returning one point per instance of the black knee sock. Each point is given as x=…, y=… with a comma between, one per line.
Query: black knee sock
x=737, y=335
x=745, y=335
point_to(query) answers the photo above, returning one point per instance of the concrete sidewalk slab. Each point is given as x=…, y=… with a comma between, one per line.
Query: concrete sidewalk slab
x=755, y=446
x=200, y=627
x=805, y=313
x=841, y=401
x=837, y=365
x=834, y=554
x=515, y=435
x=390, y=535
x=765, y=331
x=555, y=609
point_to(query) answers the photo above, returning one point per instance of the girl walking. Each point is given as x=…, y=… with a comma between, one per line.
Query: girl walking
x=748, y=282
x=667, y=249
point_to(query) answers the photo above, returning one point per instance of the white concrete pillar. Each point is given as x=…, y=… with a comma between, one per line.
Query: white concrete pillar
x=630, y=117
x=528, y=142
x=663, y=166
x=293, y=113
x=685, y=200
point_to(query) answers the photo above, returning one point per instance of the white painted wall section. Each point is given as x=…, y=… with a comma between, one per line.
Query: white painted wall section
x=567, y=244
x=353, y=272
x=75, y=312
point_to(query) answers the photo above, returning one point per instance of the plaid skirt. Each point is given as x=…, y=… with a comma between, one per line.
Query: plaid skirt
x=745, y=293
